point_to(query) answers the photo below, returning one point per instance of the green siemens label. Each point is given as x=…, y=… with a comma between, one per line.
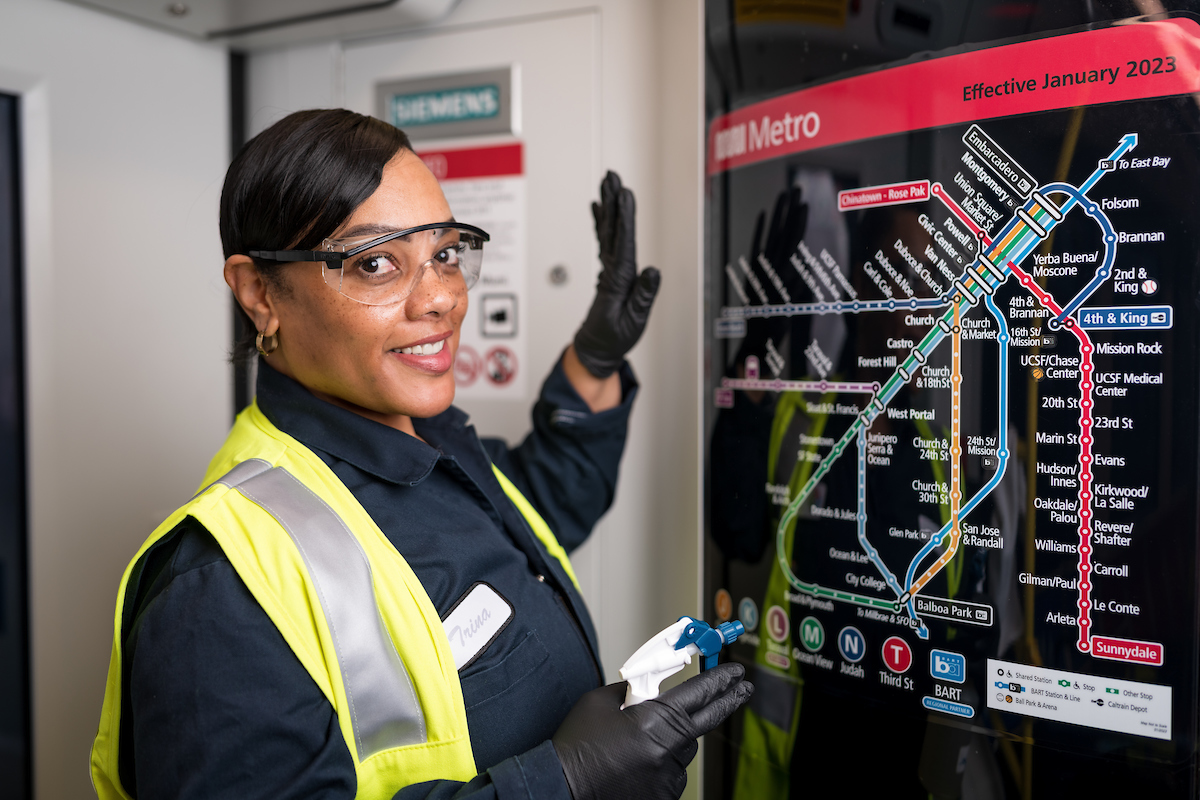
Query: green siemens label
x=451, y=105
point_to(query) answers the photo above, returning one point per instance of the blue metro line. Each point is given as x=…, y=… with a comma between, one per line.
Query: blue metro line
x=1092, y=209
x=1002, y=455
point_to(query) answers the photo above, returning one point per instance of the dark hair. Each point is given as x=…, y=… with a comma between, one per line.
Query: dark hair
x=295, y=183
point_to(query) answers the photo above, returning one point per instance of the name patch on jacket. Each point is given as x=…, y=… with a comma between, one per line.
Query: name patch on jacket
x=478, y=617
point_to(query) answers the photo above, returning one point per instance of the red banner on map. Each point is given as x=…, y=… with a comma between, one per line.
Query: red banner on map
x=475, y=162
x=1122, y=62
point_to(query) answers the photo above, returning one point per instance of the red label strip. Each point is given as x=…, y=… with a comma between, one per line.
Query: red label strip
x=1131, y=650
x=475, y=162
x=887, y=195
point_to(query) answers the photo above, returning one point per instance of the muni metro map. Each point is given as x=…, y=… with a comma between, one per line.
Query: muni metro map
x=974, y=373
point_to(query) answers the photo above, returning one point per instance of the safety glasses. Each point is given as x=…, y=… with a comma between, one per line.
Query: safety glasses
x=382, y=270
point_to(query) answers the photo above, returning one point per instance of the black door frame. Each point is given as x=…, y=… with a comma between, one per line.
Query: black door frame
x=16, y=741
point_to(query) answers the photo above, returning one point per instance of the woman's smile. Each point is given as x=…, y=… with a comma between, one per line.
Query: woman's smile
x=428, y=355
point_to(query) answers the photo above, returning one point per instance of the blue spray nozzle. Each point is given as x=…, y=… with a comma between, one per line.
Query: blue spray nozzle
x=730, y=631
x=709, y=640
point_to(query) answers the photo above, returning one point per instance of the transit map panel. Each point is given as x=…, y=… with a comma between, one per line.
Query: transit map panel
x=951, y=419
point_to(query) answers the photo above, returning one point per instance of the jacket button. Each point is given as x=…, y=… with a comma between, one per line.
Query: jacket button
x=541, y=578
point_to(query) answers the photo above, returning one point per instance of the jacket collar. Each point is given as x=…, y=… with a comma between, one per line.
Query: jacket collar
x=382, y=451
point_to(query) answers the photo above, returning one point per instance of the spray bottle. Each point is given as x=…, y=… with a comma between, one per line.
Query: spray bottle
x=670, y=650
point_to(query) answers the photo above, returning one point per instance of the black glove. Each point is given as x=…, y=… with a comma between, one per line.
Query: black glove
x=643, y=751
x=623, y=297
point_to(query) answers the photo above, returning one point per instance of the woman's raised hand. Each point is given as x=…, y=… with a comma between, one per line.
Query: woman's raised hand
x=623, y=296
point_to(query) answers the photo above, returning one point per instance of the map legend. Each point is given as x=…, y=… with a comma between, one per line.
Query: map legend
x=1142, y=709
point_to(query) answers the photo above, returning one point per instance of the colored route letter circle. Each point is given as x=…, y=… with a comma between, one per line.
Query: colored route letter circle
x=748, y=614
x=501, y=365
x=851, y=644
x=897, y=655
x=777, y=623
x=467, y=365
x=812, y=634
x=723, y=604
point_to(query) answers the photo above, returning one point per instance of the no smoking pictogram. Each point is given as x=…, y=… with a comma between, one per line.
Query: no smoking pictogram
x=500, y=365
x=467, y=365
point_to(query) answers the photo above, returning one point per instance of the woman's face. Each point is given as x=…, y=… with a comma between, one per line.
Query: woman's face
x=351, y=353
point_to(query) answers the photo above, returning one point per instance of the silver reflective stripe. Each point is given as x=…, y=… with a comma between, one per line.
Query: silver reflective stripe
x=242, y=472
x=384, y=711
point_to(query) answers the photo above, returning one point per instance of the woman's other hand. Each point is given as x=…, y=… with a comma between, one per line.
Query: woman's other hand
x=643, y=751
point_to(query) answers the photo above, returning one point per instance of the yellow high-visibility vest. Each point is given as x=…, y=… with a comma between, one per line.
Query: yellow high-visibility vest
x=345, y=600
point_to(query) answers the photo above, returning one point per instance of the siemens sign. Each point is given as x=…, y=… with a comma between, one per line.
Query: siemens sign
x=453, y=105
x=446, y=106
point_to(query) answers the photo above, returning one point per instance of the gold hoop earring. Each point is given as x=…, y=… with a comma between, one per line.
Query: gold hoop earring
x=258, y=343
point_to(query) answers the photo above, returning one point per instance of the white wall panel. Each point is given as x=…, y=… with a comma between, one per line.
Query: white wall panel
x=126, y=141
x=290, y=79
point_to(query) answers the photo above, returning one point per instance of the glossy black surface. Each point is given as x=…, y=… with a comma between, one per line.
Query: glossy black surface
x=860, y=737
x=15, y=739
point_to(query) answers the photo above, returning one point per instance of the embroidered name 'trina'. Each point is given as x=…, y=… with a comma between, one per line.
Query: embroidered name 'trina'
x=475, y=621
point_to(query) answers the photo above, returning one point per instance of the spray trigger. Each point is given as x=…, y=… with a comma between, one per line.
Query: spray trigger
x=670, y=650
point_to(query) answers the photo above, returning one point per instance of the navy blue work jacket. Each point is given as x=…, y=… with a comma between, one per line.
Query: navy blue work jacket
x=217, y=705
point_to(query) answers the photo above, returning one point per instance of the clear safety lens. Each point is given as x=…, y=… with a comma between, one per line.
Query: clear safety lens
x=388, y=272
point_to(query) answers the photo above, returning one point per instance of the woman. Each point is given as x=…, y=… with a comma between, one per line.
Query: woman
x=281, y=635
